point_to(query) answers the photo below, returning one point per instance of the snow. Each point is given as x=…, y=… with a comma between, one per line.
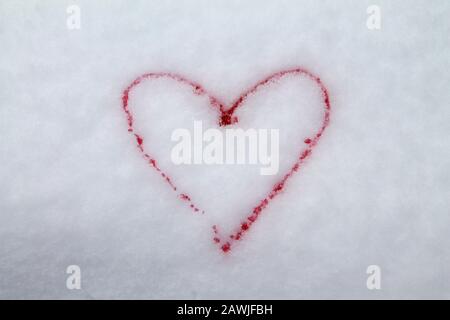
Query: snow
x=74, y=188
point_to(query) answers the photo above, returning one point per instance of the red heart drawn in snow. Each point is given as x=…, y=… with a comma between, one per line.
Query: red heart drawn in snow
x=226, y=117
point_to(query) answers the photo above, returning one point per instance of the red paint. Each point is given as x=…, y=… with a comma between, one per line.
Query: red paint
x=139, y=140
x=226, y=247
x=226, y=118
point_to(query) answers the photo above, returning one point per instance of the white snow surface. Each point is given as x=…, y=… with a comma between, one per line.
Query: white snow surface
x=75, y=190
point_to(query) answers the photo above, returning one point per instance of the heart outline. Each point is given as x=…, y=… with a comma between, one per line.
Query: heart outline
x=226, y=118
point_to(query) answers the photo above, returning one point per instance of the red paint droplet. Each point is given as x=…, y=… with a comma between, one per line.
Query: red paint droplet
x=139, y=139
x=198, y=90
x=226, y=247
x=278, y=187
x=185, y=197
x=305, y=154
x=227, y=119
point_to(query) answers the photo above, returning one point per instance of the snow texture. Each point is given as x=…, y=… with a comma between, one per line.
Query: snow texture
x=74, y=188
